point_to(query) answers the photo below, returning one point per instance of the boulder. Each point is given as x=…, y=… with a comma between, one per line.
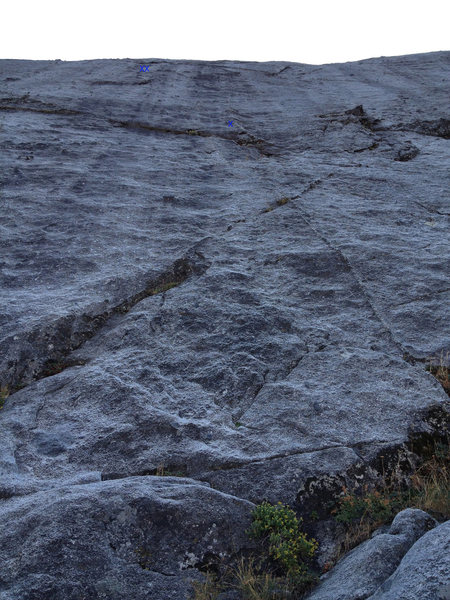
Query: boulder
x=424, y=571
x=139, y=537
x=361, y=572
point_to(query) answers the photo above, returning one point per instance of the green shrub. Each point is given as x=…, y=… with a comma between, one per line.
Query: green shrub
x=278, y=526
x=375, y=507
x=278, y=572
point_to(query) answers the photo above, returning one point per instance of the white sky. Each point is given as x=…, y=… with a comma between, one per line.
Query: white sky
x=312, y=31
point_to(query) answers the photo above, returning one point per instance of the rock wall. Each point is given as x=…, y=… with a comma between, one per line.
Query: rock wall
x=220, y=283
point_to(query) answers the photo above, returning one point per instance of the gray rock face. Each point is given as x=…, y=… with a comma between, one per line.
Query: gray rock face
x=247, y=306
x=424, y=571
x=364, y=569
x=136, y=537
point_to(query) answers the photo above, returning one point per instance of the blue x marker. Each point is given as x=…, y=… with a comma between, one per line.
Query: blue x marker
x=144, y=68
x=230, y=123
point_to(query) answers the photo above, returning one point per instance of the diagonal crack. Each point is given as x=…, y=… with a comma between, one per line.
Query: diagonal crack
x=279, y=376
x=282, y=70
x=70, y=332
x=359, y=281
x=371, y=147
x=431, y=209
x=238, y=414
x=287, y=199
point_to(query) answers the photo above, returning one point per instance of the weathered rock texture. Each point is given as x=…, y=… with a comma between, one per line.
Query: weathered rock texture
x=404, y=569
x=422, y=571
x=248, y=307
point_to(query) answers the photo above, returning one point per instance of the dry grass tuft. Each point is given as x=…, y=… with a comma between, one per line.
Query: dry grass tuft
x=441, y=371
x=208, y=589
x=254, y=584
x=431, y=483
x=253, y=580
x=4, y=393
x=429, y=491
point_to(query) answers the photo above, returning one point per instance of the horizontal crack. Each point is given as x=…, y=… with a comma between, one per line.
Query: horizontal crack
x=172, y=470
x=159, y=129
x=371, y=147
x=239, y=464
x=229, y=466
x=183, y=471
x=50, y=111
x=437, y=128
x=162, y=572
x=54, y=110
x=435, y=417
x=430, y=294
x=247, y=141
x=39, y=107
x=121, y=83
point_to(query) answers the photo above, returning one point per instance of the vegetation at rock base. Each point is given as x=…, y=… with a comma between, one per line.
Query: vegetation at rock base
x=428, y=490
x=278, y=526
x=280, y=571
x=162, y=471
